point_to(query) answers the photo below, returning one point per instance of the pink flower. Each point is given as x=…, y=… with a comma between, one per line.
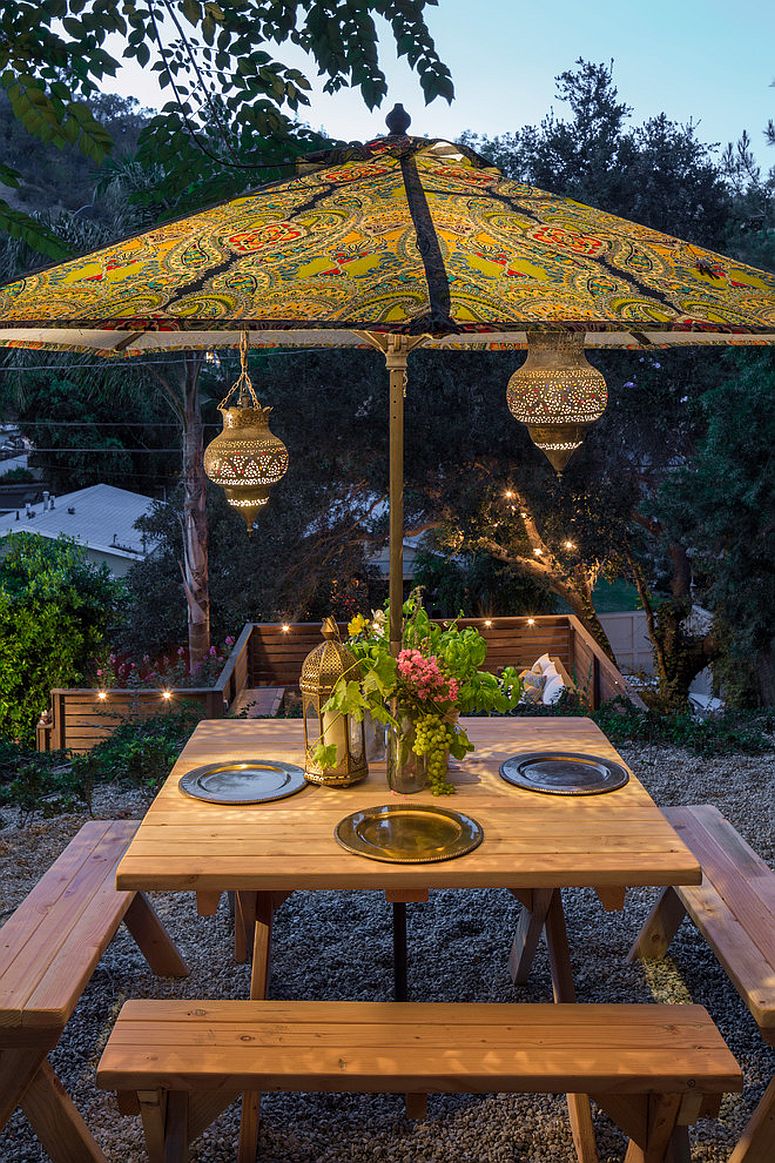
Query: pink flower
x=228, y=640
x=99, y=674
x=213, y=652
x=181, y=651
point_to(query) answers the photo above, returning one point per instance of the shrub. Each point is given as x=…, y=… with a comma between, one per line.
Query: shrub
x=139, y=754
x=55, y=612
x=733, y=732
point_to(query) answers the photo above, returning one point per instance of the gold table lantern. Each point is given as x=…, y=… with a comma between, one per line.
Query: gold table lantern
x=246, y=459
x=557, y=394
x=321, y=670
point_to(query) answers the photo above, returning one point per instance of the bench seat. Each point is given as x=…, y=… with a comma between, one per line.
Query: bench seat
x=650, y=1067
x=734, y=909
x=49, y=949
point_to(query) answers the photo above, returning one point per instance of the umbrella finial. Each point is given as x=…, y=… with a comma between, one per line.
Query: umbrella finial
x=398, y=120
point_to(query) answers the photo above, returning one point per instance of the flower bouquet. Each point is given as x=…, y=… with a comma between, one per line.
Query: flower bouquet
x=420, y=694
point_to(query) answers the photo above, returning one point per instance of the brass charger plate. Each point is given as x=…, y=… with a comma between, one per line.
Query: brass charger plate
x=247, y=781
x=409, y=835
x=564, y=773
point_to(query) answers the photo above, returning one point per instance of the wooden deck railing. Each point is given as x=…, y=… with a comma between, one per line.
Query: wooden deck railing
x=271, y=654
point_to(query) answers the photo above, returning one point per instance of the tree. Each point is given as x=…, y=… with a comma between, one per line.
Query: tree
x=93, y=428
x=723, y=505
x=229, y=98
x=660, y=174
x=56, y=610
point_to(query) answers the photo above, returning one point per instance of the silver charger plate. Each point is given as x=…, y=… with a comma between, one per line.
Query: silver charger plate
x=405, y=834
x=247, y=781
x=564, y=773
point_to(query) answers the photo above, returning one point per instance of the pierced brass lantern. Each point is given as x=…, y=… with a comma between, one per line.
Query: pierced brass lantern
x=320, y=671
x=557, y=394
x=246, y=459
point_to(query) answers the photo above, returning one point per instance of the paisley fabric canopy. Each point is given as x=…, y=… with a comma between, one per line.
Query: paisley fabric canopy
x=402, y=235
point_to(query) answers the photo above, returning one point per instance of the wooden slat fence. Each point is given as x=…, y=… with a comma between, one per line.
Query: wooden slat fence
x=269, y=654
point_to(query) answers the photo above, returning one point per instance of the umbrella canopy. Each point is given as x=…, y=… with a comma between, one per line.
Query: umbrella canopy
x=402, y=235
x=397, y=242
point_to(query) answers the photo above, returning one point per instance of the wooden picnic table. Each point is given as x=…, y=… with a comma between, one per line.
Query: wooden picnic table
x=533, y=844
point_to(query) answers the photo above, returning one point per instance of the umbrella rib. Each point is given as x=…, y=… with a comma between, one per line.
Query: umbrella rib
x=439, y=316
x=222, y=268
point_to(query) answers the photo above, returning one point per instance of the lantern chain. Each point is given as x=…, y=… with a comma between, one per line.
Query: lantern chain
x=243, y=385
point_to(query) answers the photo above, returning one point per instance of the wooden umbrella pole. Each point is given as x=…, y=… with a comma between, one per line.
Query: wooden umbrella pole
x=396, y=357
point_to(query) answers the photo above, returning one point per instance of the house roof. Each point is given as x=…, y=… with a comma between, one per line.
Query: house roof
x=100, y=517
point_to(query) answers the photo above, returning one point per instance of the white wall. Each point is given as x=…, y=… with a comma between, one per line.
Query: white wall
x=627, y=634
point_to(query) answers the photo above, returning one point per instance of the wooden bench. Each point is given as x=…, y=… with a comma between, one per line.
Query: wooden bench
x=49, y=949
x=653, y=1069
x=734, y=909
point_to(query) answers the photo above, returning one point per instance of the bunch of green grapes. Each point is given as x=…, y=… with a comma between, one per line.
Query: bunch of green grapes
x=432, y=739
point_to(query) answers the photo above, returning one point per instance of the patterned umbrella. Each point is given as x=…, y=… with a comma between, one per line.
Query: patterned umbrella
x=400, y=242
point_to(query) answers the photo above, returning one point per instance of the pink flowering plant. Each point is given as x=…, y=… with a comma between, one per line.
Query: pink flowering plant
x=436, y=677
x=169, y=670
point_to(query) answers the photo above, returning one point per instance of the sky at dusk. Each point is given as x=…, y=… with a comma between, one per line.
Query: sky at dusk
x=703, y=60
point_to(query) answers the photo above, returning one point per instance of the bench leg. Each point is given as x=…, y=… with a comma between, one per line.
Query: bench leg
x=661, y=1131
x=153, y=1110
x=528, y=934
x=176, y=1128
x=660, y=927
x=757, y=1142
x=18, y=1067
x=56, y=1122
x=153, y=940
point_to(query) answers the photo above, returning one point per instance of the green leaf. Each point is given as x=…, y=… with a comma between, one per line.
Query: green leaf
x=324, y=755
x=28, y=230
x=9, y=177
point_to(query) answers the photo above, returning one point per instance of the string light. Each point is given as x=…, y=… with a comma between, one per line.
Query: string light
x=509, y=494
x=531, y=621
x=285, y=628
x=166, y=695
x=538, y=552
x=102, y=695
x=569, y=544
x=488, y=623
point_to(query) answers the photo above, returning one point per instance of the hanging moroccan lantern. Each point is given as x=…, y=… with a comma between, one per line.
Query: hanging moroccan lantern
x=320, y=672
x=557, y=394
x=246, y=459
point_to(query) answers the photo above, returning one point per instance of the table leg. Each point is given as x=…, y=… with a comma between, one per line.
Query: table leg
x=564, y=990
x=400, y=977
x=260, y=909
x=529, y=928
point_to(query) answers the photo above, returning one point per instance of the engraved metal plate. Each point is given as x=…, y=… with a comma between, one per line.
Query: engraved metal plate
x=409, y=835
x=248, y=781
x=564, y=773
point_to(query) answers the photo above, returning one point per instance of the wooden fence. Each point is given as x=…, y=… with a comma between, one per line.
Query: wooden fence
x=271, y=654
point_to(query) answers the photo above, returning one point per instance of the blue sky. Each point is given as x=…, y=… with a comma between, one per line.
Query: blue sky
x=705, y=60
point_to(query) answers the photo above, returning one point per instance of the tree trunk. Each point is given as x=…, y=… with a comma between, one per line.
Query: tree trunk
x=679, y=656
x=195, y=533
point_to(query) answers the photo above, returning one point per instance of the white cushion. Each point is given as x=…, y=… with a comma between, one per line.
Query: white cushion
x=551, y=672
x=553, y=689
x=532, y=689
x=540, y=664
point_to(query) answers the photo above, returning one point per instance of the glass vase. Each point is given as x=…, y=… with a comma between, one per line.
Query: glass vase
x=374, y=734
x=406, y=772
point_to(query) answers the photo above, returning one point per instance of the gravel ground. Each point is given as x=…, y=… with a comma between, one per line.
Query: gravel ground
x=331, y=945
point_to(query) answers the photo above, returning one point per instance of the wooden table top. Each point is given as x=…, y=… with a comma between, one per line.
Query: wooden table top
x=530, y=840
